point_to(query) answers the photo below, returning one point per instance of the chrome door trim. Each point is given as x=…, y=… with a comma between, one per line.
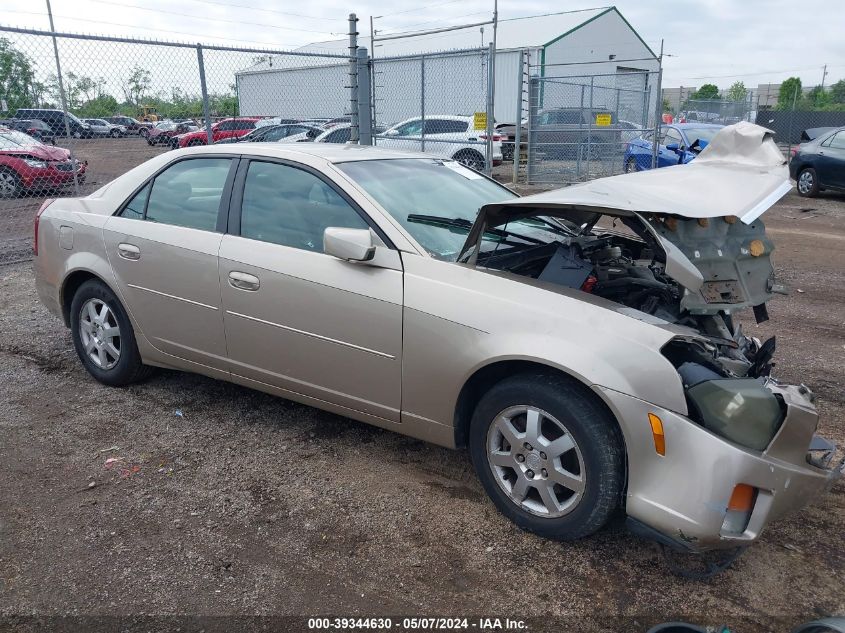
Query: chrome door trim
x=164, y=294
x=312, y=335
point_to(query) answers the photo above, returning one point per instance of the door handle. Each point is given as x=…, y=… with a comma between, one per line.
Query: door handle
x=128, y=251
x=243, y=281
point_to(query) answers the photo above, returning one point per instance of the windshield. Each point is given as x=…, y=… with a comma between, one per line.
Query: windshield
x=9, y=139
x=428, y=187
x=705, y=134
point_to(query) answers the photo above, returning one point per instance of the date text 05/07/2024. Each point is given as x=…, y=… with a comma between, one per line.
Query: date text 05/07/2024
x=482, y=624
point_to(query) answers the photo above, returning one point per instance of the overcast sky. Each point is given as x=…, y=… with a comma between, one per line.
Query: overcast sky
x=716, y=41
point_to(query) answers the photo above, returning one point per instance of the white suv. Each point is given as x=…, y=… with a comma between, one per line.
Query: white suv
x=442, y=135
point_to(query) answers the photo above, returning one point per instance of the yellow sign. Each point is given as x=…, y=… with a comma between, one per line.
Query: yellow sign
x=479, y=121
x=603, y=120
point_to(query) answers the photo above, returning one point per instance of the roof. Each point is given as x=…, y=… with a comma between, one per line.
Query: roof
x=536, y=31
x=331, y=152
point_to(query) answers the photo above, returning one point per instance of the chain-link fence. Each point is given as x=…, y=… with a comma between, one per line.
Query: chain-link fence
x=585, y=127
x=98, y=106
x=437, y=103
x=717, y=111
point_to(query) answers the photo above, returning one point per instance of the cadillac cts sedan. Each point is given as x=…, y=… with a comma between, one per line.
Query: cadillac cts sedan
x=581, y=343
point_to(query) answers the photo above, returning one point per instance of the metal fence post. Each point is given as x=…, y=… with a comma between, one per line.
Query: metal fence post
x=365, y=121
x=353, y=78
x=658, y=109
x=533, y=106
x=63, y=98
x=590, y=125
x=488, y=146
x=517, y=139
x=204, y=88
x=422, y=101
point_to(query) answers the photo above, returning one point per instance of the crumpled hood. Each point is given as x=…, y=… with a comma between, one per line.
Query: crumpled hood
x=740, y=174
x=42, y=152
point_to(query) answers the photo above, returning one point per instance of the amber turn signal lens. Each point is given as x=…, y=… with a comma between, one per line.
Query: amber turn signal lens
x=757, y=248
x=657, y=434
x=742, y=498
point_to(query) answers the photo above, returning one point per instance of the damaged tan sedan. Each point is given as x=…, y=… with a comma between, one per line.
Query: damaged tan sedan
x=580, y=342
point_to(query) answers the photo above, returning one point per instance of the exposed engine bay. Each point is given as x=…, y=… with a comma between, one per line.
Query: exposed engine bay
x=629, y=268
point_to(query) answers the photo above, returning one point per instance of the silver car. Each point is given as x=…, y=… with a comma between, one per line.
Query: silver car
x=580, y=342
x=101, y=127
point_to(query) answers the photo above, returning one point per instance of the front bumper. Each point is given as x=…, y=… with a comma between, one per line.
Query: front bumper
x=52, y=177
x=683, y=495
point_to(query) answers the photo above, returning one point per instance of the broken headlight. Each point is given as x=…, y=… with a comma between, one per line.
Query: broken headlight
x=740, y=410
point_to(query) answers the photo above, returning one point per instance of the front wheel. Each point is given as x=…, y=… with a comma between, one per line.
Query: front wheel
x=470, y=158
x=10, y=184
x=808, y=183
x=143, y=132
x=548, y=455
x=103, y=336
x=115, y=133
x=630, y=165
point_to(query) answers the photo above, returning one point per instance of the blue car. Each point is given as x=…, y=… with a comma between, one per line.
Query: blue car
x=678, y=144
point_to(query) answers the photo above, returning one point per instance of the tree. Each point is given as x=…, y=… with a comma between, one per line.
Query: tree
x=737, y=92
x=16, y=76
x=837, y=92
x=816, y=99
x=136, y=85
x=789, y=94
x=667, y=107
x=707, y=91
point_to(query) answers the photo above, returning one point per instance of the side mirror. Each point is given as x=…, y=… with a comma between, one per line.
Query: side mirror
x=391, y=133
x=351, y=245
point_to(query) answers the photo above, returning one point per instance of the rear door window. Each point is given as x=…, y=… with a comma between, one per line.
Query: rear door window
x=187, y=193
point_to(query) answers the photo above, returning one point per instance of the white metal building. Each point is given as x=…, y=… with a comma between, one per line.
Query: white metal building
x=569, y=44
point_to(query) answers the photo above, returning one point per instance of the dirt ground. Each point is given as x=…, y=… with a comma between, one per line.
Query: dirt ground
x=183, y=496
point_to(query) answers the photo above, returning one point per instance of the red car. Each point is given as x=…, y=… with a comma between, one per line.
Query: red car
x=29, y=165
x=163, y=132
x=227, y=128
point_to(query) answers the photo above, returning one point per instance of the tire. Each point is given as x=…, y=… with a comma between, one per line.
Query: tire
x=566, y=415
x=807, y=183
x=194, y=143
x=118, y=360
x=470, y=158
x=115, y=133
x=76, y=134
x=143, y=132
x=10, y=183
x=150, y=142
x=630, y=165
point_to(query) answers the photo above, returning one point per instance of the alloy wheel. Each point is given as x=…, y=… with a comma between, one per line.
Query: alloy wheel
x=805, y=182
x=100, y=333
x=536, y=461
x=8, y=185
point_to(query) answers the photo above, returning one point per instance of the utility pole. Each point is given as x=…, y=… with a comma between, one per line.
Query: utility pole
x=63, y=99
x=824, y=74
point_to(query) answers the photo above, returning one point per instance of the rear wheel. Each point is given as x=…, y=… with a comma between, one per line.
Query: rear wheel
x=470, y=158
x=10, y=183
x=115, y=133
x=143, y=132
x=103, y=336
x=195, y=142
x=548, y=455
x=630, y=165
x=808, y=183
